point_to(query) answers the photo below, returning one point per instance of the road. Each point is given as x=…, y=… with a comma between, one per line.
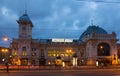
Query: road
x=65, y=73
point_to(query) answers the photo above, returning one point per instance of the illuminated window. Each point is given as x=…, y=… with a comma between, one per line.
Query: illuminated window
x=49, y=51
x=54, y=54
x=14, y=53
x=70, y=51
x=66, y=54
x=58, y=55
x=42, y=52
x=54, y=51
x=81, y=53
x=33, y=54
x=62, y=54
x=24, y=53
x=49, y=54
x=67, y=51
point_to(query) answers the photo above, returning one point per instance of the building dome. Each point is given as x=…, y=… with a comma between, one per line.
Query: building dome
x=24, y=17
x=92, y=29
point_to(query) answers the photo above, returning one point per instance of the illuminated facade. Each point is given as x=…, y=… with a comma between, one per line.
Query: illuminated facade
x=95, y=45
x=4, y=55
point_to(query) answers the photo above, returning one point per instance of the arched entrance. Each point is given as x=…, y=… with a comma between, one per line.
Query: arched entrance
x=103, y=49
x=103, y=52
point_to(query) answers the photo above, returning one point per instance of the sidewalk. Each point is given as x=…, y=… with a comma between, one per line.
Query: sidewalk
x=57, y=69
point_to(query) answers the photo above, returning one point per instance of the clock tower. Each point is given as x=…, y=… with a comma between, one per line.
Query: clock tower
x=24, y=39
x=25, y=27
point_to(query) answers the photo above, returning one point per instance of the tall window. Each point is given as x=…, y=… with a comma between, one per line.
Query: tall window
x=24, y=48
x=82, y=53
x=42, y=52
x=24, y=53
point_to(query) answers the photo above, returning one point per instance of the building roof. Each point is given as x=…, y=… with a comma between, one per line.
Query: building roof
x=92, y=29
x=24, y=17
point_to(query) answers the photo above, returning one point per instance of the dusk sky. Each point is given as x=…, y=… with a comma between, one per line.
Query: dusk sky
x=59, y=18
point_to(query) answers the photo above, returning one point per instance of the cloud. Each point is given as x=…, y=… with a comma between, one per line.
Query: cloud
x=76, y=24
x=93, y=5
x=8, y=14
x=66, y=11
x=59, y=18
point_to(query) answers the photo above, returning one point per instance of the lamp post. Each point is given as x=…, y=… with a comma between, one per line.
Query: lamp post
x=4, y=41
x=5, y=38
x=5, y=51
x=5, y=57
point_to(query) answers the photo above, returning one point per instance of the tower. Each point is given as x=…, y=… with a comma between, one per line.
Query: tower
x=25, y=27
x=24, y=39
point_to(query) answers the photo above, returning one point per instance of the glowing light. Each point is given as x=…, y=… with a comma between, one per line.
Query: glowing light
x=66, y=51
x=49, y=63
x=66, y=54
x=54, y=54
x=5, y=38
x=4, y=50
x=96, y=63
x=70, y=51
x=101, y=47
x=63, y=64
x=3, y=59
x=75, y=61
x=59, y=62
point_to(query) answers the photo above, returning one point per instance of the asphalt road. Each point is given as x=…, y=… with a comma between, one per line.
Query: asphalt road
x=65, y=73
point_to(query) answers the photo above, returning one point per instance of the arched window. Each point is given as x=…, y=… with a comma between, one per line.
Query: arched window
x=103, y=49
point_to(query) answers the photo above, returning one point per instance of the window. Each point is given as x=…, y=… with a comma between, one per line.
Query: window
x=14, y=48
x=24, y=53
x=33, y=54
x=41, y=52
x=14, y=53
x=34, y=49
x=24, y=28
x=24, y=48
x=81, y=53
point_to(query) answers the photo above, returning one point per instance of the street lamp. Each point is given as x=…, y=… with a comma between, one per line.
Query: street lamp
x=4, y=51
x=5, y=38
x=4, y=41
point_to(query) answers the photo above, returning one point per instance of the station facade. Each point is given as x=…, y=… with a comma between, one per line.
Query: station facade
x=95, y=46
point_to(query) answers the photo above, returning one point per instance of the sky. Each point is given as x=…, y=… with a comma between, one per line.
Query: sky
x=59, y=18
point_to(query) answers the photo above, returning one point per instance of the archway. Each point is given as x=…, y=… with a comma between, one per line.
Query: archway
x=103, y=49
